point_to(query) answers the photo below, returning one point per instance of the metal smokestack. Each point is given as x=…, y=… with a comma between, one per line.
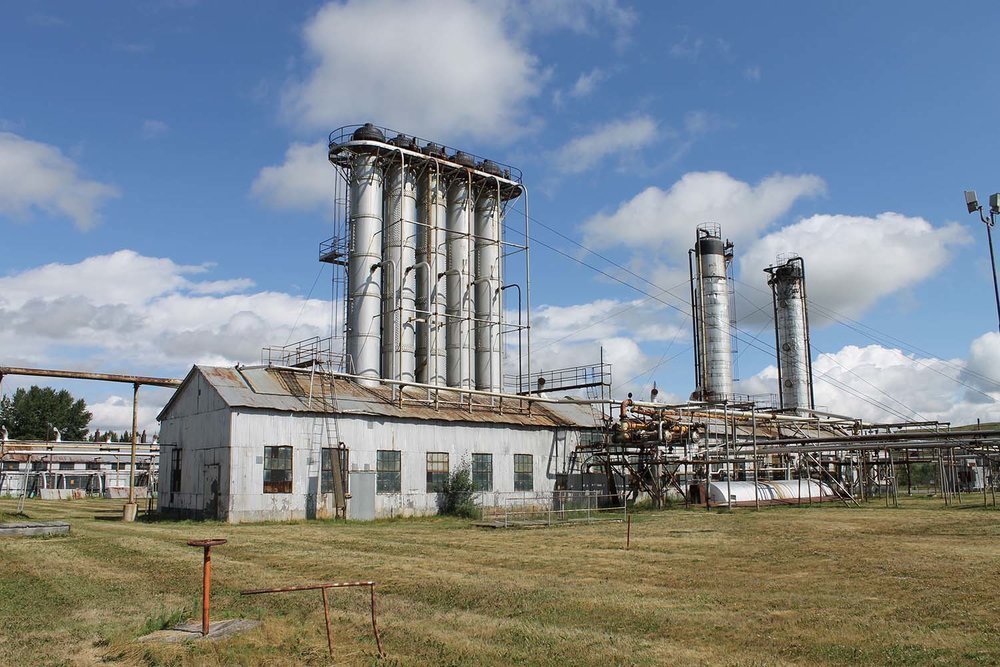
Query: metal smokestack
x=791, y=333
x=710, y=312
x=365, y=254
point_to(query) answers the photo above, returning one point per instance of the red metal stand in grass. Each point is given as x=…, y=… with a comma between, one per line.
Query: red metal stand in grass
x=206, y=580
x=326, y=608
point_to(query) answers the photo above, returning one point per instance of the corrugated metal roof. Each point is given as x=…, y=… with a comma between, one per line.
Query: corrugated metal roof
x=288, y=390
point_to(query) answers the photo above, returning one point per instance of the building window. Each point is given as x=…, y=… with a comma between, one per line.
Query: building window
x=326, y=478
x=437, y=471
x=277, y=469
x=11, y=465
x=93, y=465
x=67, y=466
x=482, y=472
x=387, y=472
x=524, y=474
x=175, y=470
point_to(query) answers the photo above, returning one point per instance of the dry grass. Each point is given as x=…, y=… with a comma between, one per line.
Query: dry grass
x=821, y=585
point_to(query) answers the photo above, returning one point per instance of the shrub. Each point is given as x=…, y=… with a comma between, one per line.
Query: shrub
x=455, y=498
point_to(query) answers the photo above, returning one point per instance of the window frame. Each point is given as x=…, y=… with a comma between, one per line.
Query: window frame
x=384, y=474
x=524, y=480
x=176, y=458
x=477, y=472
x=434, y=477
x=270, y=455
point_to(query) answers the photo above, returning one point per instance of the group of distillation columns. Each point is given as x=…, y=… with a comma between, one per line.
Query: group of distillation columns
x=424, y=266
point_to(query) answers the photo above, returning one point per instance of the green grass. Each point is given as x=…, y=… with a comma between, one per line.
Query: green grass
x=811, y=585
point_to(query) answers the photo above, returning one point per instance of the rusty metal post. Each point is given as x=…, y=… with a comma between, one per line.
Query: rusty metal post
x=628, y=532
x=326, y=615
x=378, y=638
x=206, y=579
x=135, y=425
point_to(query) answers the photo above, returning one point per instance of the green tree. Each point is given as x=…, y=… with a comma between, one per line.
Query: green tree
x=31, y=413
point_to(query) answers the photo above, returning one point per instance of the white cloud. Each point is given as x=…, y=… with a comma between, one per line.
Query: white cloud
x=853, y=261
x=688, y=48
x=436, y=68
x=152, y=128
x=145, y=314
x=37, y=177
x=587, y=82
x=614, y=138
x=655, y=218
x=886, y=384
x=594, y=18
x=304, y=181
x=752, y=73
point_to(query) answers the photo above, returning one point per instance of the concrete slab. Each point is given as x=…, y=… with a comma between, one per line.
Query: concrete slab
x=29, y=528
x=192, y=631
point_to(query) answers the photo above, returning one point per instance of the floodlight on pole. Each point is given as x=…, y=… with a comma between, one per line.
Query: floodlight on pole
x=972, y=203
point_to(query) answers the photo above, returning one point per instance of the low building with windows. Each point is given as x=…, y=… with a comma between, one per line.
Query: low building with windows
x=269, y=443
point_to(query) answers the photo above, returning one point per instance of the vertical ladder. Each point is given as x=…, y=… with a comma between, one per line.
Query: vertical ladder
x=326, y=435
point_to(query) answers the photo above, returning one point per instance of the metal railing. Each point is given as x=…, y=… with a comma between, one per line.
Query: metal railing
x=555, y=508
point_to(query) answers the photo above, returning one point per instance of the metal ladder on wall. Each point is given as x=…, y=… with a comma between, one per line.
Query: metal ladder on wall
x=326, y=435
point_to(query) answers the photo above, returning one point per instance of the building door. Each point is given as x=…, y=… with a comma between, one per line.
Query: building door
x=210, y=489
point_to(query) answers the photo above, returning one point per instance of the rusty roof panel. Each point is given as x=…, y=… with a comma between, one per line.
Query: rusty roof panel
x=288, y=390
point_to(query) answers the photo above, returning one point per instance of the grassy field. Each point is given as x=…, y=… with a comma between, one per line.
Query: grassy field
x=819, y=585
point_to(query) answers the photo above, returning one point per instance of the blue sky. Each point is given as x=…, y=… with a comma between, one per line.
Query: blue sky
x=163, y=184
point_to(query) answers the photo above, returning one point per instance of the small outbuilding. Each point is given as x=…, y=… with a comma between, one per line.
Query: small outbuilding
x=269, y=443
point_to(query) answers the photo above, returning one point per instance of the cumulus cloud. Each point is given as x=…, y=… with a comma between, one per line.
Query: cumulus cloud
x=886, y=384
x=303, y=181
x=437, y=68
x=657, y=218
x=614, y=138
x=37, y=177
x=583, y=17
x=126, y=310
x=853, y=261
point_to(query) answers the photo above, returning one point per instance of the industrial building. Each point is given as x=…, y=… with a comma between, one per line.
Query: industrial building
x=429, y=367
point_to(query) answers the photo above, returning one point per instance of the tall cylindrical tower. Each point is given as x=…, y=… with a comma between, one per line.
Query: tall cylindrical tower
x=487, y=281
x=399, y=282
x=459, y=296
x=364, y=302
x=713, y=329
x=432, y=215
x=791, y=333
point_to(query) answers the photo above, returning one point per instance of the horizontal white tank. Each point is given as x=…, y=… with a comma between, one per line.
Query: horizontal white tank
x=772, y=492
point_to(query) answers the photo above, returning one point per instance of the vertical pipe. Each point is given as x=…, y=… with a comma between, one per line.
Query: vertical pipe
x=135, y=424
x=326, y=616
x=399, y=242
x=206, y=589
x=487, y=288
x=364, y=284
x=431, y=300
x=756, y=476
x=456, y=331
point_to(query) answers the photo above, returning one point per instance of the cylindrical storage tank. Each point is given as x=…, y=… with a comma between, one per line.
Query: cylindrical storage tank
x=365, y=186
x=432, y=215
x=459, y=297
x=399, y=282
x=487, y=290
x=787, y=283
x=712, y=317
